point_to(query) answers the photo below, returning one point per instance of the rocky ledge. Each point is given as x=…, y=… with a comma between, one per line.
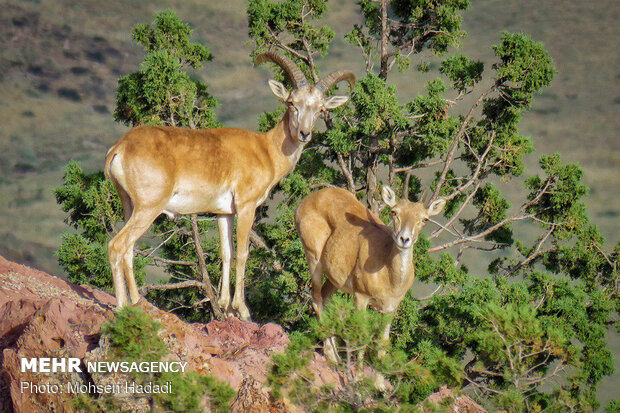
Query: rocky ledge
x=45, y=316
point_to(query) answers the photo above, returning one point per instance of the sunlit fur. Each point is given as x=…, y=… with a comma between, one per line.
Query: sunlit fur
x=358, y=253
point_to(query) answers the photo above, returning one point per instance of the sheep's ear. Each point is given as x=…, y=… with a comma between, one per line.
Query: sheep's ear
x=389, y=197
x=436, y=207
x=278, y=89
x=335, y=101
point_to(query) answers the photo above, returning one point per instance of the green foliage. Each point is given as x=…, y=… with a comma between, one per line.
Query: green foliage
x=435, y=24
x=528, y=336
x=91, y=202
x=268, y=20
x=94, y=209
x=542, y=312
x=189, y=389
x=525, y=64
x=357, y=335
x=613, y=407
x=133, y=336
x=162, y=92
x=465, y=73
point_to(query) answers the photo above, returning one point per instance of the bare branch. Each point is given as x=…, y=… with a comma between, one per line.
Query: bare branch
x=458, y=213
x=346, y=172
x=281, y=44
x=537, y=252
x=480, y=386
x=429, y=296
x=598, y=247
x=152, y=250
x=481, y=234
x=175, y=286
x=304, y=42
x=206, y=281
x=476, y=173
x=165, y=260
x=457, y=138
x=417, y=166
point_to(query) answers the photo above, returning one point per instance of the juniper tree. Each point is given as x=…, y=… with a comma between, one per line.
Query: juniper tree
x=358, y=344
x=549, y=300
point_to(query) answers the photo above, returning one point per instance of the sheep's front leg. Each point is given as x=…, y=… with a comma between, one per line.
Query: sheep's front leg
x=245, y=219
x=225, y=225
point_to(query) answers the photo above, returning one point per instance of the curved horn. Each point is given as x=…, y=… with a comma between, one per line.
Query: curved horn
x=332, y=79
x=293, y=71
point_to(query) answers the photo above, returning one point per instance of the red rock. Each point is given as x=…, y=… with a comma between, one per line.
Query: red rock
x=42, y=315
x=460, y=403
x=252, y=397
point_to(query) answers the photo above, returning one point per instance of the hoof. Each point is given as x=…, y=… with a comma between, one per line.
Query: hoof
x=242, y=311
x=245, y=316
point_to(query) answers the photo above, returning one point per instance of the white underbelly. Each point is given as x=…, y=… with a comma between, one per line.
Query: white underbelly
x=264, y=197
x=195, y=201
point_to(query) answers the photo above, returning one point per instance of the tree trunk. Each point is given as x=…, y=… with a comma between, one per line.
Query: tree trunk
x=383, y=72
x=371, y=181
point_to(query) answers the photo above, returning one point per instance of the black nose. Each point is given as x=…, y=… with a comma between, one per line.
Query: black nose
x=405, y=240
x=304, y=136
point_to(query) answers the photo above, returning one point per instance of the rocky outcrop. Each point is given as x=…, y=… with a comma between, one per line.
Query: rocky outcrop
x=45, y=316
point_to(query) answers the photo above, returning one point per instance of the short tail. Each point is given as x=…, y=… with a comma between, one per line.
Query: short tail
x=109, y=157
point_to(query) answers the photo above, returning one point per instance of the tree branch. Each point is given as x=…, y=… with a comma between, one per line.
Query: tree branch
x=346, y=172
x=383, y=72
x=481, y=234
x=260, y=243
x=165, y=260
x=417, y=166
x=457, y=138
x=304, y=42
x=281, y=45
x=476, y=173
x=537, y=252
x=458, y=213
x=206, y=281
x=175, y=286
x=429, y=296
